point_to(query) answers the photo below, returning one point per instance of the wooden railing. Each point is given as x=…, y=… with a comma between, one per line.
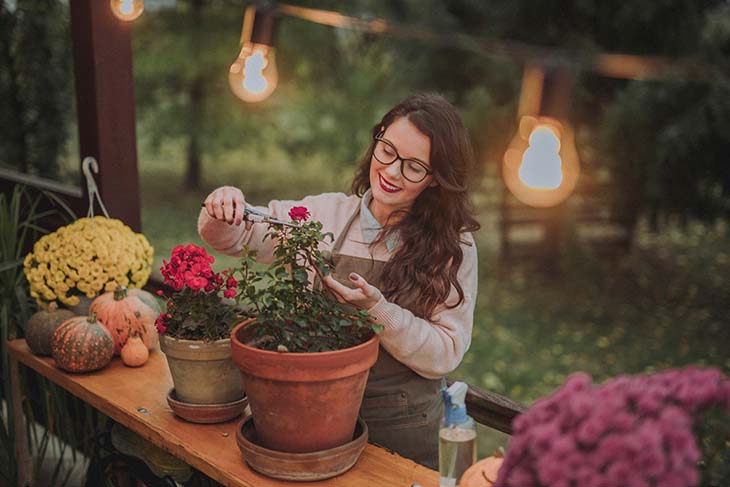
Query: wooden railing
x=491, y=409
x=587, y=208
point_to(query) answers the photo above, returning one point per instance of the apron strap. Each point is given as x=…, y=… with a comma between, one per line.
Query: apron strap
x=345, y=230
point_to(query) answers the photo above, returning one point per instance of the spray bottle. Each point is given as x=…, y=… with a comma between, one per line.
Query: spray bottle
x=457, y=436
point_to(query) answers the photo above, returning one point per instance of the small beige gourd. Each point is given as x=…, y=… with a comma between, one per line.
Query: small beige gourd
x=135, y=353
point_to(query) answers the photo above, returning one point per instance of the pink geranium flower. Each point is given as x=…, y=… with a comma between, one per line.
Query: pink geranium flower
x=194, y=309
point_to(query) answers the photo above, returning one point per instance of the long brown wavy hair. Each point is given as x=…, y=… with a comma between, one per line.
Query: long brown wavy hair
x=420, y=274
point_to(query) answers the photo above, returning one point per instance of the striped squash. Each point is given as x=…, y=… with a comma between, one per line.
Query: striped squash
x=126, y=313
x=82, y=344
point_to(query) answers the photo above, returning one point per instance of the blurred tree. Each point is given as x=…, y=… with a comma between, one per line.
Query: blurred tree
x=667, y=142
x=179, y=53
x=663, y=143
x=35, y=83
x=335, y=83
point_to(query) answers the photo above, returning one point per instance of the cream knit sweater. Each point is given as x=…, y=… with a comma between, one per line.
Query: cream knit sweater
x=433, y=347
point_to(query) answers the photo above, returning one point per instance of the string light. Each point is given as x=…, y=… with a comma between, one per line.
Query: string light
x=540, y=167
x=612, y=65
x=253, y=75
x=127, y=10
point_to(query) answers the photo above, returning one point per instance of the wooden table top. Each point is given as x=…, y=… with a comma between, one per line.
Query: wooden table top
x=121, y=392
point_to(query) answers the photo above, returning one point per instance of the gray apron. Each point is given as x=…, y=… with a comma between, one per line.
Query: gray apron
x=402, y=409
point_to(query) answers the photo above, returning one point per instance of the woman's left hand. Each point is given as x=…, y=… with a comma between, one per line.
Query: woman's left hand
x=363, y=296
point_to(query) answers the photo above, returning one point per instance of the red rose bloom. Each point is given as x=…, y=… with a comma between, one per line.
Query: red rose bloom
x=299, y=213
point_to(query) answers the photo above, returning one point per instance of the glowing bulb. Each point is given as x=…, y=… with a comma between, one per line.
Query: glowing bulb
x=540, y=167
x=253, y=76
x=541, y=163
x=127, y=10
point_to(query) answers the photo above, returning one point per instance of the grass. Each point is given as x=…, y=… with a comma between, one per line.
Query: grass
x=663, y=305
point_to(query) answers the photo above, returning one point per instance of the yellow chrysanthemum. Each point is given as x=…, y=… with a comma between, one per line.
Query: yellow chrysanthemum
x=86, y=258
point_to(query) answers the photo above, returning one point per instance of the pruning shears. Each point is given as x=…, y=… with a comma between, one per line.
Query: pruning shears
x=257, y=216
x=253, y=215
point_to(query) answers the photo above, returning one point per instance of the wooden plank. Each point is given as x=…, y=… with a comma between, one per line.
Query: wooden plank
x=120, y=392
x=102, y=47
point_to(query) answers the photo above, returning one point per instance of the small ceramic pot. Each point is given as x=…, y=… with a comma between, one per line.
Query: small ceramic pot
x=203, y=372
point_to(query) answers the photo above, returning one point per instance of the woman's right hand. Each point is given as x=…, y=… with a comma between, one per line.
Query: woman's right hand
x=227, y=204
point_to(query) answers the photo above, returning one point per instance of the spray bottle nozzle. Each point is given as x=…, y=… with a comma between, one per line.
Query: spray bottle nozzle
x=454, y=407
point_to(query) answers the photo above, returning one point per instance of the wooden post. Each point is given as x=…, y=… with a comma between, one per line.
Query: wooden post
x=102, y=49
x=556, y=102
x=552, y=240
x=22, y=453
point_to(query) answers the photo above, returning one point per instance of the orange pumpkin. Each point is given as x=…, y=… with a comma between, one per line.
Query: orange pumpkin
x=135, y=352
x=482, y=474
x=82, y=344
x=128, y=312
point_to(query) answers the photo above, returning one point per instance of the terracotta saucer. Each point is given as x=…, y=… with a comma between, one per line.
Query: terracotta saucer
x=306, y=467
x=205, y=413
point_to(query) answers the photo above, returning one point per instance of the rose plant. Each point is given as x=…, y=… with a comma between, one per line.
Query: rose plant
x=302, y=345
x=292, y=313
x=195, y=309
x=629, y=431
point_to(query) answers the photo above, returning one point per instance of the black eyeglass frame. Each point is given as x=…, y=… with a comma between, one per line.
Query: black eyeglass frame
x=379, y=138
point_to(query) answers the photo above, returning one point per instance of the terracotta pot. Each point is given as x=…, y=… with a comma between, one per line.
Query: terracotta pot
x=205, y=413
x=303, y=402
x=203, y=372
x=299, y=467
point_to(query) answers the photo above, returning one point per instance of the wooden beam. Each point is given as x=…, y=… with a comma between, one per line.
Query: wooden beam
x=102, y=50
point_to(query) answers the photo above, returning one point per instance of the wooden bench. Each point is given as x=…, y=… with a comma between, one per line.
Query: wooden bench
x=135, y=398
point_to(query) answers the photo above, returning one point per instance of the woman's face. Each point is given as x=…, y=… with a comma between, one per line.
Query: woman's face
x=391, y=191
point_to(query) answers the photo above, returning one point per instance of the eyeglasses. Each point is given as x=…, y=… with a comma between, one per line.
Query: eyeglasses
x=411, y=169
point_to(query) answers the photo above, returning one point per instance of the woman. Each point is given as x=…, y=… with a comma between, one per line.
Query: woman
x=402, y=251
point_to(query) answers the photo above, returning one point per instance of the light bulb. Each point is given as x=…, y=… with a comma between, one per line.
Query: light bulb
x=127, y=10
x=253, y=76
x=541, y=165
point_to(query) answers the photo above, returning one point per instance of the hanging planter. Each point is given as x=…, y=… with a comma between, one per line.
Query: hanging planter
x=88, y=257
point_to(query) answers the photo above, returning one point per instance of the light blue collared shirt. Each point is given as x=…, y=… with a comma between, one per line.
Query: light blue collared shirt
x=371, y=227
